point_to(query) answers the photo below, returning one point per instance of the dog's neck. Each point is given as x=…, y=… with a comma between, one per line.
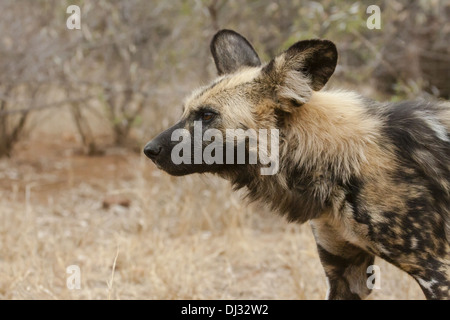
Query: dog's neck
x=333, y=143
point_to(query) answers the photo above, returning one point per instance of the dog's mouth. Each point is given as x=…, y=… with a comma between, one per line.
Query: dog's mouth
x=158, y=165
x=162, y=165
x=171, y=168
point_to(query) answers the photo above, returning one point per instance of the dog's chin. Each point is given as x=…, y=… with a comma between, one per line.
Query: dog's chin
x=172, y=169
x=185, y=169
x=177, y=172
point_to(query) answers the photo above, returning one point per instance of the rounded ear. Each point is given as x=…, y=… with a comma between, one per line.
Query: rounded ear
x=232, y=51
x=316, y=59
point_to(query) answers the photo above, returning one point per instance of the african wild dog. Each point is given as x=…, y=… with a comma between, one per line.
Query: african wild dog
x=372, y=178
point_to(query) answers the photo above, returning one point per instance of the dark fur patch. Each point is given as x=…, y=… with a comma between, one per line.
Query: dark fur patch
x=410, y=133
x=419, y=148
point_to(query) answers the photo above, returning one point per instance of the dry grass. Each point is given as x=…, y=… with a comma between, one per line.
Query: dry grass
x=180, y=238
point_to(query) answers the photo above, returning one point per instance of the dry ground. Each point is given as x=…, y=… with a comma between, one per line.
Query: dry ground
x=179, y=238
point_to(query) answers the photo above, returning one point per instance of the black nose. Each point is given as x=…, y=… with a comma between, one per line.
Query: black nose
x=152, y=149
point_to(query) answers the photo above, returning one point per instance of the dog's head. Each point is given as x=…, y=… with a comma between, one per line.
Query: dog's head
x=247, y=99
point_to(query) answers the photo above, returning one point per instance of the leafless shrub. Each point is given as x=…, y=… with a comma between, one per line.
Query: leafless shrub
x=133, y=61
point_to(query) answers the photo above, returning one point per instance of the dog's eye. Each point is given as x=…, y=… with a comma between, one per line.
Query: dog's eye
x=207, y=116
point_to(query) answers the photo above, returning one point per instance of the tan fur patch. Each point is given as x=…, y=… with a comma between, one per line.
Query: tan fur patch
x=333, y=128
x=228, y=97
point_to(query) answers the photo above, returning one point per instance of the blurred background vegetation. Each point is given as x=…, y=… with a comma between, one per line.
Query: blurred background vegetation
x=133, y=61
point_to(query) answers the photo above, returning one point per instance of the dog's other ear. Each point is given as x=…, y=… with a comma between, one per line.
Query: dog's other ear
x=232, y=51
x=315, y=59
x=303, y=68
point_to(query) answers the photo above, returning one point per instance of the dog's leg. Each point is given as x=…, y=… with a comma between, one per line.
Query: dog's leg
x=436, y=287
x=345, y=264
x=433, y=276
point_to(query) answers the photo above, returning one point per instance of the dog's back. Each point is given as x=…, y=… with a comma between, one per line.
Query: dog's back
x=420, y=132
